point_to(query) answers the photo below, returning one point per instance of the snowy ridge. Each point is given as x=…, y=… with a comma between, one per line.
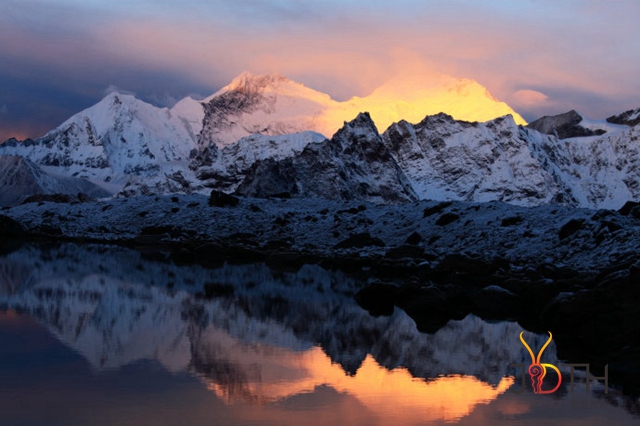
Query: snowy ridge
x=597, y=172
x=454, y=160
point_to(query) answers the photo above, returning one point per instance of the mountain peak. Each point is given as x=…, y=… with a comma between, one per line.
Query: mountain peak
x=251, y=83
x=570, y=124
x=628, y=118
x=362, y=123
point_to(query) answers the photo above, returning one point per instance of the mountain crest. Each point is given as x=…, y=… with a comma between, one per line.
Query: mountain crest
x=361, y=125
x=250, y=83
x=629, y=118
x=568, y=125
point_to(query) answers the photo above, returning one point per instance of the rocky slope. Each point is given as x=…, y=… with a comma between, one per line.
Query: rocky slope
x=354, y=165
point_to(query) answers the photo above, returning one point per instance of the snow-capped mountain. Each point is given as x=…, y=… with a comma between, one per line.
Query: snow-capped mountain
x=20, y=178
x=601, y=171
x=265, y=135
x=445, y=159
x=274, y=105
x=266, y=105
x=354, y=165
x=117, y=138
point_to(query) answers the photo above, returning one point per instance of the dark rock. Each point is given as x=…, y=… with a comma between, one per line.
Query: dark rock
x=277, y=245
x=359, y=241
x=84, y=198
x=556, y=272
x=464, y=264
x=281, y=221
x=162, y=230
x=10, y=228
x=404, y=251
x=378, y=299
x=538, y=295
x=610, y=225
x=563, y=126
x=52, y=198
x=220, y=199
x=428, y=306
x=629, y=118
x=48, y=230
x=511, y=221
x=414, y=239
x=495, y=302
x=430, y=211
x=447, y=218
x=570, y=228
x=352, y=210
x=628, y=207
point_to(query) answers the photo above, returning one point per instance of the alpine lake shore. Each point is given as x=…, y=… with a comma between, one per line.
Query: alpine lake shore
x=571, y=271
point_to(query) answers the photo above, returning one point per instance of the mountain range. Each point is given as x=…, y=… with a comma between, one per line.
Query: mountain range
x=268, y=135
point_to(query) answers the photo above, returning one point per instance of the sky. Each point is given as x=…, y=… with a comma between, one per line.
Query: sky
x=542, y=57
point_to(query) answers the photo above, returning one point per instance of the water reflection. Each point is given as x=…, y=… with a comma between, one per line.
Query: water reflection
x=266, y=344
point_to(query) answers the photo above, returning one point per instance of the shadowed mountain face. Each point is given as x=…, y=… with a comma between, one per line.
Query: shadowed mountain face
x=564, y=126
x=21, y=178
x=627, y=118
x=354, y=165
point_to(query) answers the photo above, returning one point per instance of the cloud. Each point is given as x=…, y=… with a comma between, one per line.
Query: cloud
x=163, y=51
x=529, y=98
x=4, y=109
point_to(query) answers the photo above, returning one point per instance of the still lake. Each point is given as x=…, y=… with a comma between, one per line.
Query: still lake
x=106, y=335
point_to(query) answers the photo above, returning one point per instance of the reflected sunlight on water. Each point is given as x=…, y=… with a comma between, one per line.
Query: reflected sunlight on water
x=392, y=395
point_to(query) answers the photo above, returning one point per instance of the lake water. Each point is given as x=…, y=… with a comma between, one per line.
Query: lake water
x=105, y=335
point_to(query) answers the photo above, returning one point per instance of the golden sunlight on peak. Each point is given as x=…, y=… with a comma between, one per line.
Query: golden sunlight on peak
x=285, y=106
x=393, y=396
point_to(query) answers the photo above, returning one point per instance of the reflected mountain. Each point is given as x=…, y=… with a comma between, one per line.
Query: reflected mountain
x=260, y=336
